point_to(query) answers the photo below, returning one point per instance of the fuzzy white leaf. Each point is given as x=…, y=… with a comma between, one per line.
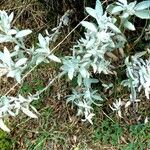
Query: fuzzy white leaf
x=5, y=38
x=34, y=109
x=129, y=25
x=113, y=27
x=42, y=50
x=97, y=97
x=70, y=73
x=54, y=58
x=94, y=67
x=146, y=120
x=127, y=104
x=18, y=76
x=99, y=8
x=83, y=72
x=139, y=54
x=11, y=113
x=79, y=80
x=117, y=9
x=3, y=71
x=84, y=105
x=142, y=5
x=11, y=73
x=23, y=33
x=87, y=55
x=119, y=114
x=7, y=57
x=91, y=12
x=42, y=41
x=89, y=26
x=11, y=16
x=3, y=126
x=89, y=118
x=125, y=15
x=39, y=60
x=6, y=53
x=21, y=62
x=147, y=92
x=90, y=43
x=12, y=32
x=143, y=14
x=21, y=98
x=28, y=112
x=131, y=5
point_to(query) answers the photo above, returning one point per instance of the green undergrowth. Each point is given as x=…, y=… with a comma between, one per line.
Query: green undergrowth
x=122, y=137
x=5, y=141
x=52, y=131
x=108, y=132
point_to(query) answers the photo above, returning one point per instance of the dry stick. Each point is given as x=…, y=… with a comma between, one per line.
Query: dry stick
x=20, y=14
x=137, y=40
x=108, y=116
x=46, y=56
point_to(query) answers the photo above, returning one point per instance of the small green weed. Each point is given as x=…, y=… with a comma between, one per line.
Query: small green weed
x=108, y=132
x=139, y=137
x=26, y=88
x=5, y=141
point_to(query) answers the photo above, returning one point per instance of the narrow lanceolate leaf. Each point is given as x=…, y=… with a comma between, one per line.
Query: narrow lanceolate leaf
x=94, y=67
x=7, y=53
x=11, y=74
x=132, y=5
x=21, y=62
x=54, y=58
x=11, y=16
x=99, y=8
x=140, y=54
x=3, y=71
x=129, y=25
x=142, y=5
x=23, y=33
x=113, y=27
x=18, y=76
x=3, y=126
x=39, y=60
x=7, y=57
x=79, y=80
x=146, y=120
x=70, y=73
x=42, y=41
x=117, y=9
x=34, y=109
x=143, y=14
x=12, y=32
x=5, y=38
x=28, y=112
x=89, y=26
x=83, y=72
x=91, y=12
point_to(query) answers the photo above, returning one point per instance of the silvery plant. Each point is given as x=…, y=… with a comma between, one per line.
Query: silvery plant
x=16, y=61
x=138, y=73
x=102, y=36
x=89, y=57
x=126, y=10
